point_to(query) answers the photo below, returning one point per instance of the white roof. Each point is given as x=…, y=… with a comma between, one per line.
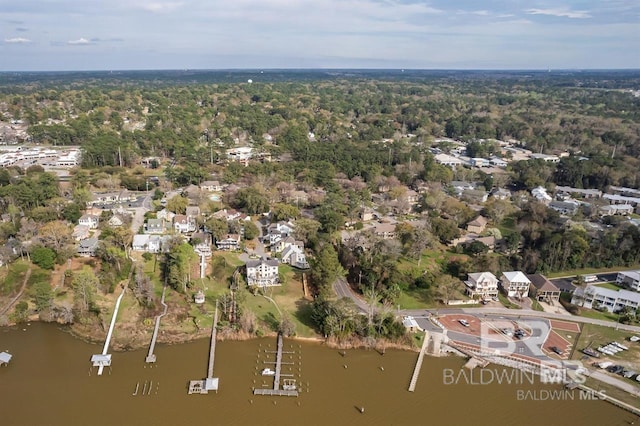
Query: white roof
x=140, y=239
x=410, y=322
x=482, y=276
x=445, y=158
x=632, y=296
x=634, y=275
x=516, y=276
x=5, y=357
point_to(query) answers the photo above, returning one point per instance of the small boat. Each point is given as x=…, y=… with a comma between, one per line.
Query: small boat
x=591, y=352
x=623, y=347
x=268, y=372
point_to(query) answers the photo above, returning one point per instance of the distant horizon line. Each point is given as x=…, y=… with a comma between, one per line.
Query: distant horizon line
x=547, y=69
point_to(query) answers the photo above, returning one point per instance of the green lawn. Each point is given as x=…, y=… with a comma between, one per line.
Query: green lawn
x=592, y=313
x=12, y=281
x=535, y=305
x=413, y=300
x=613, y=392
x=611, y=286
x=507, y=304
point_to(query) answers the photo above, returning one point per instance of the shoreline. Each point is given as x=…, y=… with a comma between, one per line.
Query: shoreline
x=140, y=339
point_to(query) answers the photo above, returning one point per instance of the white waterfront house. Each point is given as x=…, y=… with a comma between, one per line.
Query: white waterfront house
x=482, y=285
x=263, y=273
x=515, y=284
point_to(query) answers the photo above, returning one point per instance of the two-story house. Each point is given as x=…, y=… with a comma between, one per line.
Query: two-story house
x=80, y=232
x=386, y=231
x=184, y=224
x=231, y=242
x=482, y=285
x=294, y=256
x=543, y=289
x=515, y=284
x=262, y=273
x=477, y=225
x=89, y=220
x=282, y=244
x=155, y=226
x=88, y=247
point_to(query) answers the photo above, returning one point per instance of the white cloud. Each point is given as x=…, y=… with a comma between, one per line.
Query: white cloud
x=481, y=12
x=81, y=40
x=161, y=6
x=563, y=13
x=17, y=40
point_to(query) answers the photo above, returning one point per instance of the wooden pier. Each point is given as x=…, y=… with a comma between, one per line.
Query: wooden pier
x=416, y=370
x=151, y=357
x=104, y=359
x=210, y=382
x=288, y=387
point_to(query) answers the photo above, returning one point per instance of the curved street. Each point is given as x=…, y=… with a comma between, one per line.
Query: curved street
x=342, y=289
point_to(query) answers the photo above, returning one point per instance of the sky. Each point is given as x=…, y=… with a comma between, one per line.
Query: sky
x=56, y=35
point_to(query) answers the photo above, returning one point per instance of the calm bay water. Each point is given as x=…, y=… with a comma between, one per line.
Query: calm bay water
x=48, y=383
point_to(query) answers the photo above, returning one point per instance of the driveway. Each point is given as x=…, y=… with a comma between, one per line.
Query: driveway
x=138, y=217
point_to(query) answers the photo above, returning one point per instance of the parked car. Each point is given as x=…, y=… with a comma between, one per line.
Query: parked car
x=557, y=350
x=615, y=369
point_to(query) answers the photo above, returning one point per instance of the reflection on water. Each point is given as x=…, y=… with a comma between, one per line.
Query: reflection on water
x=50, y=382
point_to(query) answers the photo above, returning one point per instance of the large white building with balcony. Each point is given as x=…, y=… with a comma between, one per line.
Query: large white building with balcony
x=594, y=297
x=482, y=285
x=263, y=273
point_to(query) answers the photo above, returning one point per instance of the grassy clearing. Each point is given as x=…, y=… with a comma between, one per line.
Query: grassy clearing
x=535, y=305
x=613, y=392
x=290, y=299
x=596, y=335
x=13, y=276
x=593, y=314
x=414, y=300
x=506, y=303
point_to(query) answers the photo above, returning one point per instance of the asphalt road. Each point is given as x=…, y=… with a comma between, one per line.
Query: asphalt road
x=565, y=283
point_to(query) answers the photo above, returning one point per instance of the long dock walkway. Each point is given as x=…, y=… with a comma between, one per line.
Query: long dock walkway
x=210, y=382
x=212, y=348
x=276, y=380
x=151, y=357
x=288, y=388
x=104, y=359
x=416, y=370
